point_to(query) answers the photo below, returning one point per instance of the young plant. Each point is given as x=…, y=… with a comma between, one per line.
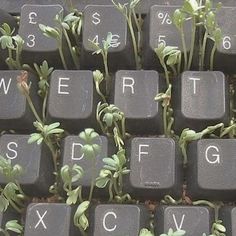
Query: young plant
x=168, y=56
x=12, y=226
x=103, y=50
x=112, y=173
x=145, y=232
x=90, y=150
x=72, y=23
x=98, y=79
x=80, y=218
x=43, y=71
x=70, y=175
x=110, y=116
x=128, y=11
x=171, y=232
x=12, y=194
x=188, y=135
x=168, y=120
x=14, y=45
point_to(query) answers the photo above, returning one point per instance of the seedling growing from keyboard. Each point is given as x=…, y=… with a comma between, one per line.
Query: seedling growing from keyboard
x=167, y=110
x=145, y=232
x=112, y=175
x=188, y=135
x=43, y=71
x=171, y=232
x=90, y=150
x=128, y=10
x=168, y=56
x=12, y=194
x=14, y=46
x=70, y=176
x=106, y=44
x=12, y=226
x=98, y=78
x=110, y=116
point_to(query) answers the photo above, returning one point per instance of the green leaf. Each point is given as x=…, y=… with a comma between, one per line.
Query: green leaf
x=101, y=182
x=73, y=196
x=14, y=226
x=34, y=138
x=110, y=162
x=190, y=6
x=145, y=232
x=80, y=217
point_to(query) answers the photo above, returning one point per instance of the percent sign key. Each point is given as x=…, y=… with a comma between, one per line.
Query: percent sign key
x=162, y=30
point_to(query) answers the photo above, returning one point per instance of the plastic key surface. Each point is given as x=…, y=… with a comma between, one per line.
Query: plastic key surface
x=49, y=219
x=15, y=112
x=114, y=220
x=134, y=95
x=72, y=99
x=201, y=99
x=208, y=160
x=35, y=160
x=71, y=154
x=159, y=29
x=98, y=22
x=155, y=167
x=195, y=220
x=38, y=47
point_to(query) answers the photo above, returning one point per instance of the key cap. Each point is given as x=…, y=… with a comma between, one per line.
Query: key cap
x=98, y=22
x=201, y=99
x=195, y=220
x=49, y=219
x=114, y=220
x=15, y=112
x=158, y=28
x=5, y=18
x=35, y=160
x=155, y=166
x=72, y=100
x=226, y=51
x=134, y=94
x=207, y=160
x=71, y=154
x=38, y=47
x=228, y=215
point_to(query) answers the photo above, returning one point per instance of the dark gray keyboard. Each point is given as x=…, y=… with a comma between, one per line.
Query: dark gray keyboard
x=115, y=120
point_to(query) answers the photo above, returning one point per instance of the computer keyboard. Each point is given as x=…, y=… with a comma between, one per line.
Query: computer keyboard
x=146, y=117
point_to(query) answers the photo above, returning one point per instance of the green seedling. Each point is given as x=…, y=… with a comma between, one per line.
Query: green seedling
x=110, y=116
x=168, y=56
x=168, y=120
x=12, y=194
x=145, y=232
x=168, y=200
x=171, y=232
x=112, y=175
x=14, y=44
x=90, y=150
x=188, y=135
x=98, y=78
x=12, y=226
x=70, y=175
x=80, y=218
x=128, y=11
x=43, y=71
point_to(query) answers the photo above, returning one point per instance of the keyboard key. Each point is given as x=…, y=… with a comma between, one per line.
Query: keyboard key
x=228, y=215
x=71, y=154
x=201, y=99
x=114, y=220
x=98, y=22
x=195, y=220
x=38, y=47
x=35, y=160
x=226, y=51
x=134, y=95
x=72, y=100
x=207, y=160
x=15, y=112
x=156, y=168
x=158, y=28
x=49, y=219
